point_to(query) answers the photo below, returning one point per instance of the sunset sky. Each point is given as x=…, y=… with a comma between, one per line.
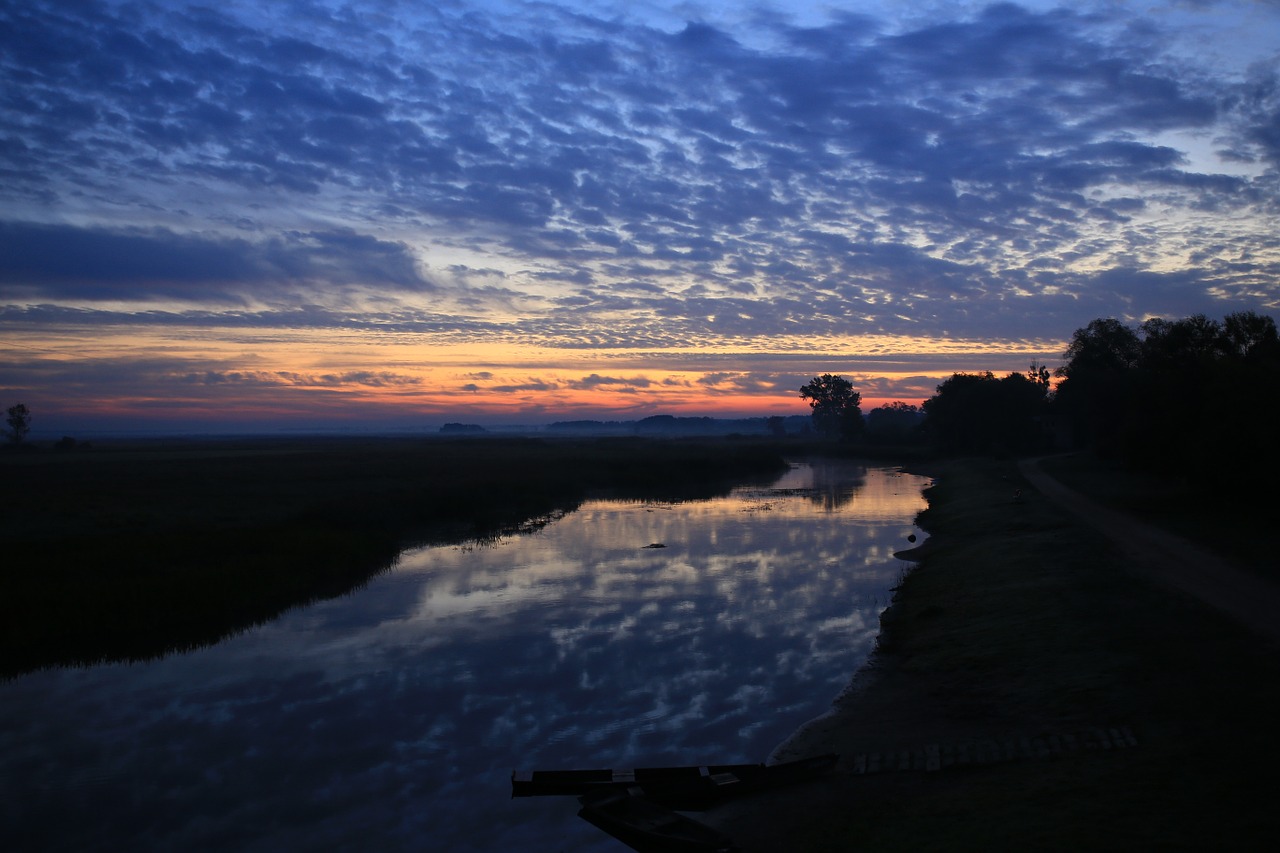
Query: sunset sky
x=314, y=215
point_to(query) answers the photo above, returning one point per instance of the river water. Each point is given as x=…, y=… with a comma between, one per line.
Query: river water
x=391, y=718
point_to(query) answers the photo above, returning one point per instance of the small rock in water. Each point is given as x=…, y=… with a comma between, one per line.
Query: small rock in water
x=656, y=545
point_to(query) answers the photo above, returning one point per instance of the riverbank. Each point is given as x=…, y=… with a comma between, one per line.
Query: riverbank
x=132, y=550
x=1021, y=624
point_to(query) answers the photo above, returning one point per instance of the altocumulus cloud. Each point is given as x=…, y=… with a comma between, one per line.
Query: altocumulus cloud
x=90, y=264
x=595, y=380
x=370, y=379
x=1003, y=171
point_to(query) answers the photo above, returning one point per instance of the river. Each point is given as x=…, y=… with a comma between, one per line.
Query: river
x=391, y=718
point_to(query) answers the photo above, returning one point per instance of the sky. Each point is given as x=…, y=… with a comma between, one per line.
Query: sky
x=367, y=215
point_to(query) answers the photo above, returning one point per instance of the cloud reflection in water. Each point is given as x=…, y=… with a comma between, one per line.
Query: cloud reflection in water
x=391, y=718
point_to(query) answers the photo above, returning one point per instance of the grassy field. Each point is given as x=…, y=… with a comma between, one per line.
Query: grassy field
x=1021, y=622
x=130, y=550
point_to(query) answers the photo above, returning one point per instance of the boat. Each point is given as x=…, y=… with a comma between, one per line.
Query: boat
x=629, y=816
x=689, y=788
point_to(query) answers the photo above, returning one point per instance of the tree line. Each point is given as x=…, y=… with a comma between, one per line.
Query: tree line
x=1190, y=395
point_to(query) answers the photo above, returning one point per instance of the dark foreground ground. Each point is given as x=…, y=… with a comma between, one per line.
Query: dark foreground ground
x=1022, y=625
x=128, y=551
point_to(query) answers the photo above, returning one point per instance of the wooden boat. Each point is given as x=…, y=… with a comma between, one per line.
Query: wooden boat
x=630, y=817
x=690, y=788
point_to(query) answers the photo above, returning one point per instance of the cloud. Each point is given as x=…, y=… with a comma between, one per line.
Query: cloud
x=615, y=383
x=590, y=177
x=519, y=388
x=95, y=264
x=265, y=378
x=564, y=127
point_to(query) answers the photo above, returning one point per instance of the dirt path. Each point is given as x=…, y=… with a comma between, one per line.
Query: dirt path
x=1169, y=559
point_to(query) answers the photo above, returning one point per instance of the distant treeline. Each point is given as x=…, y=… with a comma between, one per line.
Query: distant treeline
x=671, y=425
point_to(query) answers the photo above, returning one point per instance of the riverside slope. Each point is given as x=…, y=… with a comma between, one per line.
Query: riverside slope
x=1024, y=621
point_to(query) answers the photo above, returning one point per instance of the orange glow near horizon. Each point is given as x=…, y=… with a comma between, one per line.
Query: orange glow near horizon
x=264, y=375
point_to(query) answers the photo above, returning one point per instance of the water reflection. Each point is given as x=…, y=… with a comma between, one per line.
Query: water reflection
x=391, y=718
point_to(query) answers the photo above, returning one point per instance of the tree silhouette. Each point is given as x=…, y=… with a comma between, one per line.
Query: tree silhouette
x=1185, y=396
x=19, y=420
x=976, y=412
x=1250, y=337
x=896, y=421
x=835, y=405
x=1096, y=381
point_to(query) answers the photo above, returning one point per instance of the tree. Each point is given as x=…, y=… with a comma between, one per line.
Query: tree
x=1102, y=346
x=1096, y=381
x=896, y=421
x=1250, y=336
x=1039, y=374
x=835, y=405
x=978, y=413
x=961, y=416
x=19, y=421
x=1188, y=396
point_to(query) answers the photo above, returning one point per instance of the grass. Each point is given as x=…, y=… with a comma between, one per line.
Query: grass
x=1228, y=521
x=1020, y=621
x=130, y=551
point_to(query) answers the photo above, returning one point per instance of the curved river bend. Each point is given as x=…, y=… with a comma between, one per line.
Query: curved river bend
x=392, y=718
